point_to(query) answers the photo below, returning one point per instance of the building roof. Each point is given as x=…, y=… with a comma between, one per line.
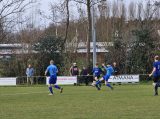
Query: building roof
x=77, y=48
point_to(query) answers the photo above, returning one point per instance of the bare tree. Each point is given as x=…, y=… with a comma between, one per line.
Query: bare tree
x=88, y=4
x=9, y=15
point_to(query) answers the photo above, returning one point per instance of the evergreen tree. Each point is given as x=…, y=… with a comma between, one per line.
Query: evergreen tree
x=48, y=48
x=142, y=50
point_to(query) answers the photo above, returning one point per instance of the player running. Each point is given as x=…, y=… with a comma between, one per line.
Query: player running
x=97, y=72
x=156, y=72
x=106, y=77
x=53, y=78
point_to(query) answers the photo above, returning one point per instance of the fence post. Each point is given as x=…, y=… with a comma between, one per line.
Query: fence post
x=139, y=78
x=46, y=81
x=17, y=81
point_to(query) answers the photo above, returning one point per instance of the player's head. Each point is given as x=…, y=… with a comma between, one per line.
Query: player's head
x=84, y=67
x=51, y=62
x=29, y=65
x=74, y=64
x=96, y=64
x=114, y=64
x=156, y=58
x=108, y=64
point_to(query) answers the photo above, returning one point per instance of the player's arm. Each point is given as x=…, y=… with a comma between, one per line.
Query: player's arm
x=106, y=68
x=102, y=71
x=46, y=71
x=154, y=69
x=91, y=72
x=56, y=70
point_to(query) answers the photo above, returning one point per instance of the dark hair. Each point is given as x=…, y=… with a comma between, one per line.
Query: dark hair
x=108, y=63
x=84, y=65
x=96, y=63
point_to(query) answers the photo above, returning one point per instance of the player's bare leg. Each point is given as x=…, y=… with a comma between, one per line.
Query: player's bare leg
x=101, y=79
x=96, y=78
x=154, y=84
x=94, y=82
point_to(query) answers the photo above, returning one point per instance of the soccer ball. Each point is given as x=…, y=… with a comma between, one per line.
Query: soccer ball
x=93, y=84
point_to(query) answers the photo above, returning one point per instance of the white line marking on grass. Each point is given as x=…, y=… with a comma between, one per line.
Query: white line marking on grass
x=26, y=93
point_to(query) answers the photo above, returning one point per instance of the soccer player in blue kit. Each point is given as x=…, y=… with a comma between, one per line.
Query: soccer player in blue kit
x=97, y=72
x=53, y=77
x=156, y=72
x=106, y=77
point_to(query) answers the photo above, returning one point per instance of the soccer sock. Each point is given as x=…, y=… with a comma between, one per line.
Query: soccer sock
x=100, y=85
x=97, y=82
x=156, y=88
x=96, y=86
x=57, y=87
x=108, y=85
x=158, y=85
x=50, y=88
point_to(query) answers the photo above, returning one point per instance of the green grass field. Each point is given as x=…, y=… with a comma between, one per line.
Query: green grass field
x=124, y=102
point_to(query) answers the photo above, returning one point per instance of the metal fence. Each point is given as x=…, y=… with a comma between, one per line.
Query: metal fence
x=41, y=80
x=22, y=80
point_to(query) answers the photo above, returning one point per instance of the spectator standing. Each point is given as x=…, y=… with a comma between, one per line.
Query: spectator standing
x=74, y=70
x=84, y=72
x=29, y=73
x=116, y=69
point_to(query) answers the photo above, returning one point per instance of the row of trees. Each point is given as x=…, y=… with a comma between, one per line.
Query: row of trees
x=133, y=31
x=137, y=56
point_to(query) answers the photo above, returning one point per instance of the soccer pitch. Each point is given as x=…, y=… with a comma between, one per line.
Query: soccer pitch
x=124, y=102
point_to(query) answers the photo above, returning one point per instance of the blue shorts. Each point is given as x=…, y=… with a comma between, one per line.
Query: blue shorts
x=53, y=79
x=106, y=77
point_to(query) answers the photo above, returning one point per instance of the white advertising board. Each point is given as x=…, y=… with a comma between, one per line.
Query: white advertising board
x=8, y=81
x=124, y=79
x=64, y=80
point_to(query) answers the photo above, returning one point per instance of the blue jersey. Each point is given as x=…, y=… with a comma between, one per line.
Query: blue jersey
x=97, y=71
x=109, y=70
x=157, y=66
x=52, y=69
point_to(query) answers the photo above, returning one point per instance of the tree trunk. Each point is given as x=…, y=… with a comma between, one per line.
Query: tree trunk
x=67, y=22
x=89, y=33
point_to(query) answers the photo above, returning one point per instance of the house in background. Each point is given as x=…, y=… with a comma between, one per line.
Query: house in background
x=8, y=50
x=78, y=46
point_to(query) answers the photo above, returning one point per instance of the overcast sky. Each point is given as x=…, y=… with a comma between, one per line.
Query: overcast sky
x=45, y=5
